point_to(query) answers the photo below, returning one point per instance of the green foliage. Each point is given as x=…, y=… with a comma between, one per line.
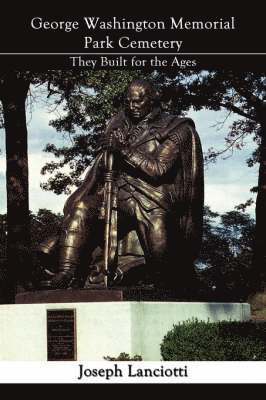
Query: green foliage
x=123, y=357
x=44, y=224
x=195, y=340
x=225, y=260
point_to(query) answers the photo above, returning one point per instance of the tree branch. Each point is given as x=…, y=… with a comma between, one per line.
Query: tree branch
x=252, y=100
x=213, y=154
x=237, y=110
x=50, y=90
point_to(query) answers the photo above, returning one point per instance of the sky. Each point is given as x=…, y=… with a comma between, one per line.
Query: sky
x=227, y=183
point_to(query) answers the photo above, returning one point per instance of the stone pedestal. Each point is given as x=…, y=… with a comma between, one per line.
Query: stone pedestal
x=69, y=296
x=105, y=328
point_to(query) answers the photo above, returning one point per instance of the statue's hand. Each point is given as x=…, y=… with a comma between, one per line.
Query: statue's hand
x=113, y=142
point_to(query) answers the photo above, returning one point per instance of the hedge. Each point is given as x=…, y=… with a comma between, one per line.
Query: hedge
x=123, y=357
x=195, y=340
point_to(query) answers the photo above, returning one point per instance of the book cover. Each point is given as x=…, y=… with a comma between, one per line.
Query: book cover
x=179, y=103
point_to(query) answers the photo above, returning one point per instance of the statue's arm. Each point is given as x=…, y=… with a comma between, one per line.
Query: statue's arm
x=158, y=164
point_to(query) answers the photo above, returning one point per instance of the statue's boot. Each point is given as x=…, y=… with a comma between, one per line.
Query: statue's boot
x=71, y=246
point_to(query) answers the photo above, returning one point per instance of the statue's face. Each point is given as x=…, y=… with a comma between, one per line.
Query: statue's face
x=139, y=102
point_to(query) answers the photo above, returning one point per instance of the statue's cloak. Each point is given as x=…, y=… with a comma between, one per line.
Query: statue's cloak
x=188, y=208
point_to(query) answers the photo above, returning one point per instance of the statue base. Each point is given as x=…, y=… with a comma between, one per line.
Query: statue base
x=69, y=296
x=104, y=327
x=99, y=294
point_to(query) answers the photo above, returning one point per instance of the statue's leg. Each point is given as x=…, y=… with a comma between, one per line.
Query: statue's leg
x=153, y=232
x=78, y=234
x=46, y=251
x=169, y=262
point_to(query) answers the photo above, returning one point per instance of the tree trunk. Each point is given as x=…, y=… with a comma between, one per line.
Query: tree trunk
x=13, y=92
x=260, y=236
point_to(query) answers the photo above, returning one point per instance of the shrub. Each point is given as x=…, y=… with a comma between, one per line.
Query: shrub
x=123, y=357
x=195, y=340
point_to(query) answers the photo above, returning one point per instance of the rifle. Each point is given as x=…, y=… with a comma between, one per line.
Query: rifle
x=108, y=190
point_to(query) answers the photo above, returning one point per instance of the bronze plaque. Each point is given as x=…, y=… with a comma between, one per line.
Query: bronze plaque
x=61, y=335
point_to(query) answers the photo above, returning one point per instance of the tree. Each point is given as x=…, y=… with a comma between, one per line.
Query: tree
x=225, y=261
x=13, y=92
x=43, y=225
x=241, y=93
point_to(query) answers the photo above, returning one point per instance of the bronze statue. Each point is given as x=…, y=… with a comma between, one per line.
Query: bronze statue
x=138, y=213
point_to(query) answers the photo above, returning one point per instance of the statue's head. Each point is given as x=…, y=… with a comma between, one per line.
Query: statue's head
x=140, y=99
